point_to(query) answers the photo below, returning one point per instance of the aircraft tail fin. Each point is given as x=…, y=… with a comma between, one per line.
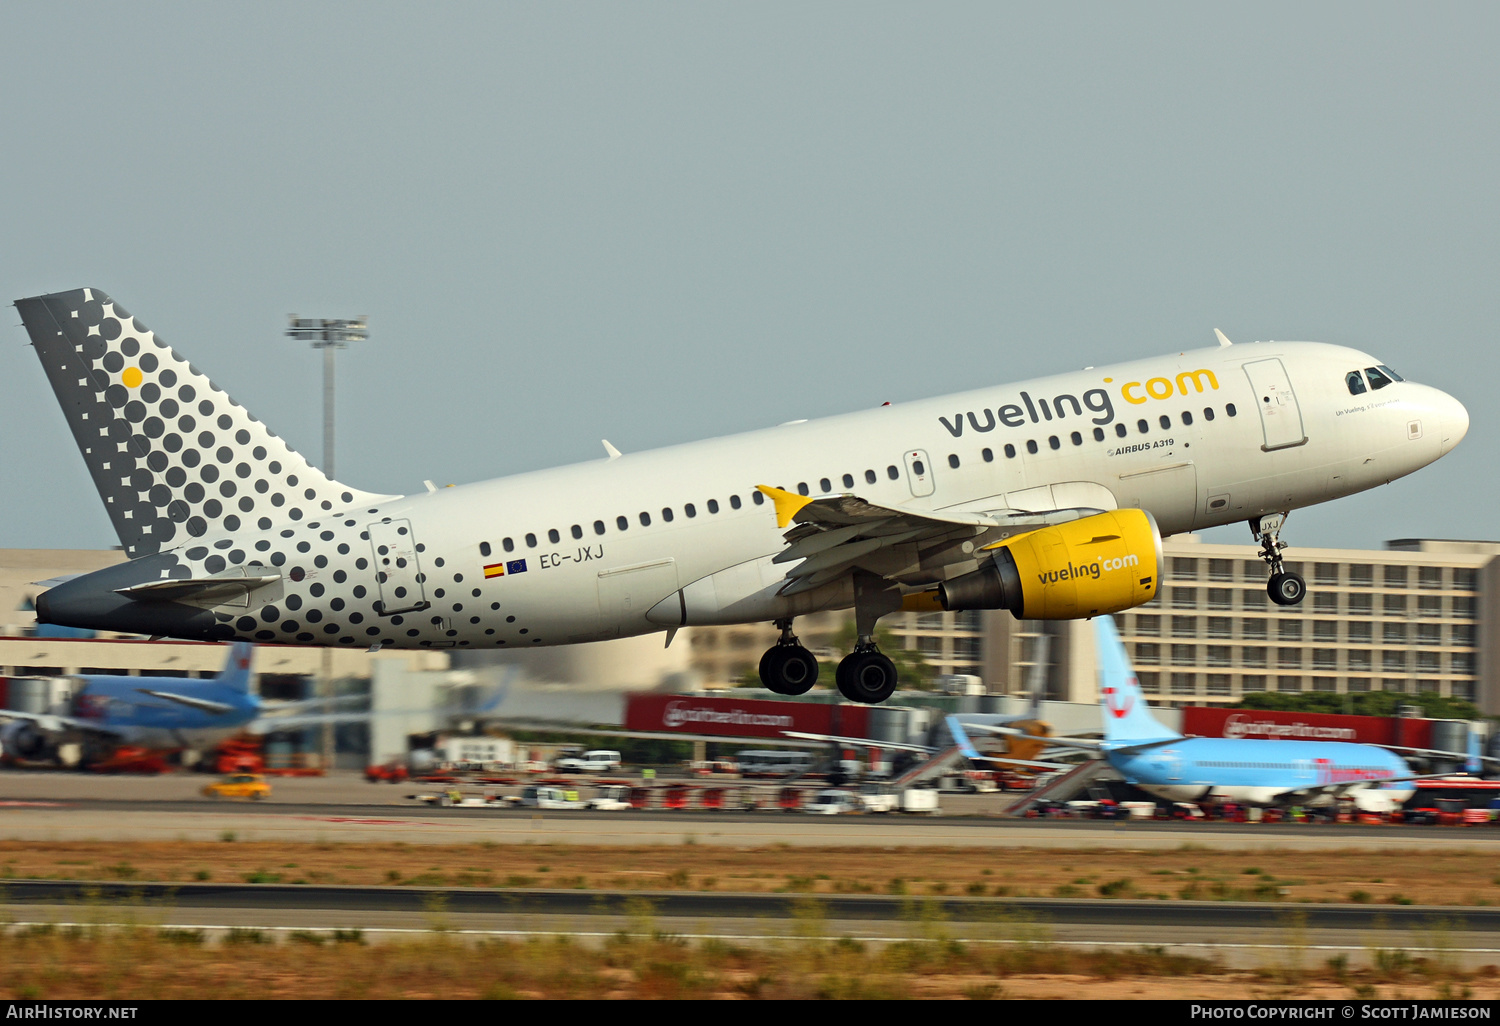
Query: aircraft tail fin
x=1127, y=718
x=172, y=456
x=1474, y=763
x=236, y=672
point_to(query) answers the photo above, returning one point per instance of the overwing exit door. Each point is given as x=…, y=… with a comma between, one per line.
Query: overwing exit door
x=1280, y=416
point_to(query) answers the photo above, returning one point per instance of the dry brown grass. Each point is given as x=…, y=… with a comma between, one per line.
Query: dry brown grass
x=135, y=964
x=1426, y=877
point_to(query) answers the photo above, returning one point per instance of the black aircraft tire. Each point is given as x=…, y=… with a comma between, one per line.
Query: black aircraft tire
x=866, y=677
x=1286, y=588
x=788, y=670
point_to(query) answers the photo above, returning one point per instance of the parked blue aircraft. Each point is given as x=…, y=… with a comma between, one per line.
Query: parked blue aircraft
x=1277, y=773
x=156, y=713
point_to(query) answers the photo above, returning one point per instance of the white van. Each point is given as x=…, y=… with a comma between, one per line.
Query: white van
x=598, y=761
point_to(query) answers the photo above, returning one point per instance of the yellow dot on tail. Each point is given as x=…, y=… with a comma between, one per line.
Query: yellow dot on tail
x=131, y=378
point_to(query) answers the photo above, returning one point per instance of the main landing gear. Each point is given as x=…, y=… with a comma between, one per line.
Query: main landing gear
x=865, y=675
x=1284, y=587
x=787, y=668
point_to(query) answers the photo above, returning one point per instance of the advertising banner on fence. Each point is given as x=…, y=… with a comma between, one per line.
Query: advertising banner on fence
x=1300, y=726
x=742, y=717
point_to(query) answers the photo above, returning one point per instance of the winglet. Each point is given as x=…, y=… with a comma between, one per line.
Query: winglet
x=787, y=503
x=614, y=453
x=1223, y=341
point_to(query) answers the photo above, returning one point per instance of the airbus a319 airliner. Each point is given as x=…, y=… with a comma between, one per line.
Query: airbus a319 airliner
x=1047, y=497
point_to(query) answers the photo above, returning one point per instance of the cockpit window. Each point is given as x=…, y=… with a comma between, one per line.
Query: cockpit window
x=1391, y=374
x=1378, y=380
x=1356, y=382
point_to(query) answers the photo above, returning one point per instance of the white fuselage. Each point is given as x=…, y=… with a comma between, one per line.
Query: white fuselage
x=675, y=536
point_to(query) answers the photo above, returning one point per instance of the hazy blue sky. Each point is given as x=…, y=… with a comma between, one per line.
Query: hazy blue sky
x=658, y=222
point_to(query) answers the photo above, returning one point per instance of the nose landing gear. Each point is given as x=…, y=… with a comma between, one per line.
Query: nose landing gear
x=1284, y=587
x=787, y=668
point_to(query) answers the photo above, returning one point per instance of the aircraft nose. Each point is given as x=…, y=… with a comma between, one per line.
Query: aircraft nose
x=1454, y=420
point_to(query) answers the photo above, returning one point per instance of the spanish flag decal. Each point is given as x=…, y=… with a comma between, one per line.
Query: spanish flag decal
x=494, y=570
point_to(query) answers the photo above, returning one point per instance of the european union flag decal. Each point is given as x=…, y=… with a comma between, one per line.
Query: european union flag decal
x=515, y=566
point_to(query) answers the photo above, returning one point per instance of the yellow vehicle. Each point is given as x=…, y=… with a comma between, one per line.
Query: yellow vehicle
x=239, y=785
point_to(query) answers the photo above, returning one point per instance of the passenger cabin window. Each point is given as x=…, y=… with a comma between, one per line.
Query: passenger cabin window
x=531, y=541
x=869, y=477
x=713, y=505
x=1377, y=379
x=1077, y=438
x=848, y=480
x=1142, y=426
x=484, y=548
x=1356, y=382
x=577, y=532
x=756, y=497
x=1098, y=434
x=953, y=460
x=1208, y=413
x=1054, y=442
x=645, y=519
x=508, y=545
x=1166, y=422
x=1010, y=451
x=734, y=501
x=553, y=536
x=989, y=456
x=827, y=485
x=690, y=509
x=598, y=527
x=622, y=523
x=1120, y=430
x=892, y=473
x=666, y=512
x=1230, y=410
x=1031, y=446
x=1187, y=418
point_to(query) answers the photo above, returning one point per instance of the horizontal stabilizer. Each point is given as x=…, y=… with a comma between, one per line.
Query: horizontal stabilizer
x=199, y=590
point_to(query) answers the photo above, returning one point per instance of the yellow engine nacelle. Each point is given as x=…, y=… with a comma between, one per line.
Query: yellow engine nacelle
x=1099, y=564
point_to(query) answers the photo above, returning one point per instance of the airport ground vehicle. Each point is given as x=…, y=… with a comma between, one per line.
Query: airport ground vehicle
x=597, y=761
x=612, y=798
x=775, y=762
x=239, y=785
x=880, y=798
x=540, y=796
x=834, y=802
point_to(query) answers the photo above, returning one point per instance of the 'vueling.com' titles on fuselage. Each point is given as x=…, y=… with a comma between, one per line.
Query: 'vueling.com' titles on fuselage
x=233, y=534
x=1095, y=400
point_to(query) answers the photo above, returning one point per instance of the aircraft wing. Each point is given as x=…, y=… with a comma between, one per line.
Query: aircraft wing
x=836, y=534
x=192, y=702
x=1438, y=753
x=1343, y=787
x=57, y=724
x=859, y=742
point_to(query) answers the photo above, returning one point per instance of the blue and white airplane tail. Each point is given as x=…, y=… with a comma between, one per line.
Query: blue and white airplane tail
x=236, y=672
x=1127, y=719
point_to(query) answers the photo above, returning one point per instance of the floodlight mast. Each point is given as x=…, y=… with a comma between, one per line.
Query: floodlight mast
x=329, y=335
